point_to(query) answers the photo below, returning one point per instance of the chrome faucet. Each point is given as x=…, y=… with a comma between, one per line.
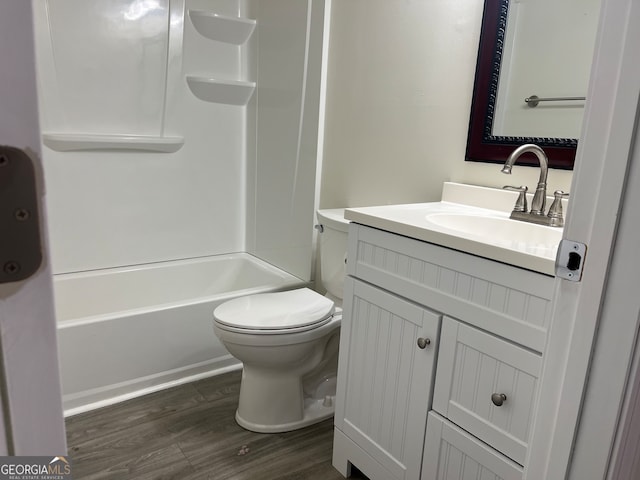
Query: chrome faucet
x=536, y=214
x=540, y=197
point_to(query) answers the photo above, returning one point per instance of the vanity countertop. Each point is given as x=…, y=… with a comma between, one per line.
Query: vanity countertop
x=470, y=219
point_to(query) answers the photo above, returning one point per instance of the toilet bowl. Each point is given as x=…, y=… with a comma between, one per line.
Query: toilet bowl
x=288, y=344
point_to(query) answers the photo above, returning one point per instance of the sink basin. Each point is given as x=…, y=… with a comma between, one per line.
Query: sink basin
x=500, y=230
x=470, y=219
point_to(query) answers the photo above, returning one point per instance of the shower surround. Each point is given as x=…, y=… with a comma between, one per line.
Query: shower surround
x=173, y=130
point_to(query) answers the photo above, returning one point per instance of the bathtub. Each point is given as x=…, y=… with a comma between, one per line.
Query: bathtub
x=125, y=332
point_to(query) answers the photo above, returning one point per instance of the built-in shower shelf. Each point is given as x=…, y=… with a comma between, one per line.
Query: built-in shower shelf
x=234, y=30
x=230, y=92
x=68, y=142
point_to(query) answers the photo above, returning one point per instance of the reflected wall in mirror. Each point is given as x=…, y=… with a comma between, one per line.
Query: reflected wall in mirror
x=528, y=48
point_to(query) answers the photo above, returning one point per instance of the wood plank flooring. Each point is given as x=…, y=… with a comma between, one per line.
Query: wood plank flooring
x=189, y=433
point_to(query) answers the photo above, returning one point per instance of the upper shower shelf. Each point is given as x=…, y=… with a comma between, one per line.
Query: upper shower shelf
x=234, y=30
x=69, y=142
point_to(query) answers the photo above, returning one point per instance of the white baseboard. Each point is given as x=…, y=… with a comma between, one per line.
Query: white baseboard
x=88, y=400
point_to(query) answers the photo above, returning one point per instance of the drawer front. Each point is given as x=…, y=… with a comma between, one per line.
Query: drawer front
x=451, y=453
x=512, y=302
x=385, y=379
x=473, y=366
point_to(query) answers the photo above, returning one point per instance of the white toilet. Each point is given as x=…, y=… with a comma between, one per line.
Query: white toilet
x=288, y=342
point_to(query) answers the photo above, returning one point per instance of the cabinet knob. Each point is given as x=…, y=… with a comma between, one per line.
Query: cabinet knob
x=423, y=342
x=498, y=399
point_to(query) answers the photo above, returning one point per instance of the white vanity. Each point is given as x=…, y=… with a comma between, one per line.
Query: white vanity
x=442, y=338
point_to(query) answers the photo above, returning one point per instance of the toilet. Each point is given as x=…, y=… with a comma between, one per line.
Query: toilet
x=288, y=342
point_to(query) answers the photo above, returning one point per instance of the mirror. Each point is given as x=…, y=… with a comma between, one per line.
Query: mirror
x=530, y=49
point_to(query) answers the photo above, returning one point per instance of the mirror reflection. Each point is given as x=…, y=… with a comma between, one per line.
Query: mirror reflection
x=547, y=54
x=532, y=74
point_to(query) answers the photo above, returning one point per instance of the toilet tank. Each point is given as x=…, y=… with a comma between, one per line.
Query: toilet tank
x=333, y=251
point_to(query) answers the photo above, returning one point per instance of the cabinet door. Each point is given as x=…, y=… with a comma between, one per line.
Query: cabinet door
x=385, y=378
x=450, y=453
x=473, y=366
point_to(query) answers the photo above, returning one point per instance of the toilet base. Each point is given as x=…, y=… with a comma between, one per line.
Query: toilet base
x=315, y=411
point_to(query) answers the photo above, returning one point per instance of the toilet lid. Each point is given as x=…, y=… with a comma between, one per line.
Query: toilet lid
x=293, y=310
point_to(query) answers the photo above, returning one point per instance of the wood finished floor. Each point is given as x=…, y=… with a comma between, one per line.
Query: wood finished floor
x=189, y=433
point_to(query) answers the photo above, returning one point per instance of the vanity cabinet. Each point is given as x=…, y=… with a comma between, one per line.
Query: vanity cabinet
x=465, y=400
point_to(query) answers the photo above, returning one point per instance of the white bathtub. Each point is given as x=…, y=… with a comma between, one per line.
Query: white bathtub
x=128, y=331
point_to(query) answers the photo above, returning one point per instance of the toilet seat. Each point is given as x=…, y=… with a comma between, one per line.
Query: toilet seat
x=275, y=313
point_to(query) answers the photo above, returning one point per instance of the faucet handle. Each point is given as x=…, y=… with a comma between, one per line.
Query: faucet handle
x=555, y=211
x=521, y=203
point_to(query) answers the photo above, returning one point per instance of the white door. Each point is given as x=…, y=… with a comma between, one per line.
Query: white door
x=32, y=422
x=605, y=152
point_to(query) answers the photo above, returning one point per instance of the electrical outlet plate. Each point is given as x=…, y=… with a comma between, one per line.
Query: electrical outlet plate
x=570, y=260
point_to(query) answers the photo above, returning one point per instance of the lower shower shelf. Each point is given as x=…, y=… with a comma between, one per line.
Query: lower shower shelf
x=68, y=142
x=230, y=92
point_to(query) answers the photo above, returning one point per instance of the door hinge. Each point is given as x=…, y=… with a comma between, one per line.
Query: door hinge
x=20, y=245
x=570, y=260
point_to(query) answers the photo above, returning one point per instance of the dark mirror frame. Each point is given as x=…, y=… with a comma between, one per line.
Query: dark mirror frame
x=482, y=145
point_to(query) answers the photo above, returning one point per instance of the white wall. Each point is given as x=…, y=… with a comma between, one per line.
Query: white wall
x=399, y=90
